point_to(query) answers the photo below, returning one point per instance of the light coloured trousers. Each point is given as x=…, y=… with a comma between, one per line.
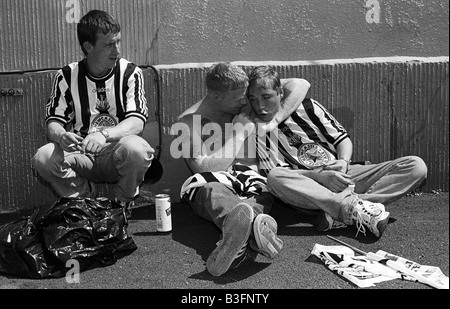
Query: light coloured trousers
x=383, y=183
x=123, y=162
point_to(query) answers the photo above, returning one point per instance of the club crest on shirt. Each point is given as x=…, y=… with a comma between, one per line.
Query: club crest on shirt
x=313, y=155
x=102, y=104
x=104, y=119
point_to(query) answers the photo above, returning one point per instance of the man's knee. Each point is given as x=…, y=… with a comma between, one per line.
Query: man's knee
x=275, y=177
x=137, y=148
x=44, y=157
x=420, y=170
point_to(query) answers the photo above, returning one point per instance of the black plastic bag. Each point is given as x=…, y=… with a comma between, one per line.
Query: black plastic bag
x=87, y=230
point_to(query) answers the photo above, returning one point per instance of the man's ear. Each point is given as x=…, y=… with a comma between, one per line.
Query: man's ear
x=217, y=95
x=87, y=47
x=281, y=92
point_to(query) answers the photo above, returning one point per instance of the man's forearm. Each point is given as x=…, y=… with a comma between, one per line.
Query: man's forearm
x=129, y=126
x=345, y=150
x=54, y=131
x=295, y=91
x=220, y=159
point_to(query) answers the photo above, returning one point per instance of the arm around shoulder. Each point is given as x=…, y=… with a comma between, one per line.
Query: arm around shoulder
x=294, y=92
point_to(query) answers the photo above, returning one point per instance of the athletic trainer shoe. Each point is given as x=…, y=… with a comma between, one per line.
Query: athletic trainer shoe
x=324, y=222
x=265, y=234
x=247, y=256
x=232, y=247
x=371, y=215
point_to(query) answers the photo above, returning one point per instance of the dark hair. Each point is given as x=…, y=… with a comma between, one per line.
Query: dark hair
x=93, y=22
x=265, y=77
x=225, y=76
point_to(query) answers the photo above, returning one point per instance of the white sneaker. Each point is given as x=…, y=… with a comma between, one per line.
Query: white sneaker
x=371, y=215
x=265, y=234
x=232, y=249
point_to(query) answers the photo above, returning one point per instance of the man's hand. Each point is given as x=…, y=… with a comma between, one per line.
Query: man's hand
x=93, y=143
x=70, y=142
x=334, y=180
x=244, y=119
x=336, y=165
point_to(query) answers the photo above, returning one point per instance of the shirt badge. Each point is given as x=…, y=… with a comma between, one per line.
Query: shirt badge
x=104, y=119
x=313, y=155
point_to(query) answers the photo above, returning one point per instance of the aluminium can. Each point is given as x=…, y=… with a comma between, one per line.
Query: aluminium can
x=163, y=213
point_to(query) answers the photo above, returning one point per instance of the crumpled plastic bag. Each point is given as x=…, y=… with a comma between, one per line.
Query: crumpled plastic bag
x=91, y=231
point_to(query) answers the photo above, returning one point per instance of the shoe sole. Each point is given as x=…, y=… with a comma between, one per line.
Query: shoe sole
x=324, y=217
x=268, y=243
x=236, y=231
x=382, y=224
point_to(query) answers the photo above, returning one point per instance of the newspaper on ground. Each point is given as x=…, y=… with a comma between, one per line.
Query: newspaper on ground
x=432, y=273
x=365, y=272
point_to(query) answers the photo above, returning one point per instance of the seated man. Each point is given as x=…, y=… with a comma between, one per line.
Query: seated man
x=226, y=188
x=308, y=163
x=94, y=117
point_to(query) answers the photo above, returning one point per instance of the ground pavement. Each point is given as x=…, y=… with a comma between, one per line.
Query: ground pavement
x=418, y=230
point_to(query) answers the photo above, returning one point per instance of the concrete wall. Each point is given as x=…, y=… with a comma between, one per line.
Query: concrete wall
x=292, y=30
x=39, y=34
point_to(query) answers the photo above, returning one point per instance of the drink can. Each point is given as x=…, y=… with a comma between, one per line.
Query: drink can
x=163, y=213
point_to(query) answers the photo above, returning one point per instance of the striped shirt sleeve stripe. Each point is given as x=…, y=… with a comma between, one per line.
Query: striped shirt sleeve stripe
x=54, y=97
x=133, y=75
x=141, y=101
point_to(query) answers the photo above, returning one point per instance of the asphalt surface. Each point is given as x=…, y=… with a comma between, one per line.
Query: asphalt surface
x=418, y=230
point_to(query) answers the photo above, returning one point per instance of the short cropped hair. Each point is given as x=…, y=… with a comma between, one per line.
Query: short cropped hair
x=224, y=77
x=93, y=22
x=265, y=77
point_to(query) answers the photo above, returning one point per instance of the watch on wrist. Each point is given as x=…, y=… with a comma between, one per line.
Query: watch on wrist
x=105, y=134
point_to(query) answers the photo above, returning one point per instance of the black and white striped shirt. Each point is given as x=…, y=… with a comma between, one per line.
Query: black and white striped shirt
x=309, y=129
x=240, y=179
x=84, y=104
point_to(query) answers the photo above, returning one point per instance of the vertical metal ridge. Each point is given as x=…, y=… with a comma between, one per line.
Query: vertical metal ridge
x=37, y=35
x=390, y=109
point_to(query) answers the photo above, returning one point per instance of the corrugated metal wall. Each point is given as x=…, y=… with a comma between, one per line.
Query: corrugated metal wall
x=22, y=132
x=391, y=108
x=38, y=34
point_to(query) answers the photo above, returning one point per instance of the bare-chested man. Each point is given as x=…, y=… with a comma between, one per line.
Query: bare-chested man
x=226, y=187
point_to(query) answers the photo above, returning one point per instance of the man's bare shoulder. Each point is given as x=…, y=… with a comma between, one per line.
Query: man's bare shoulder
x=187, y=119
x=193, y=110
